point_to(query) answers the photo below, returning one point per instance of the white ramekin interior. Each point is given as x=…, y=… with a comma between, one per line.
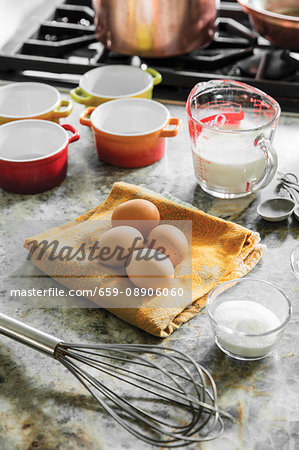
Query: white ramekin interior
x=31, y=140
x=116, y=81
x=27, y=99
x=130, y=117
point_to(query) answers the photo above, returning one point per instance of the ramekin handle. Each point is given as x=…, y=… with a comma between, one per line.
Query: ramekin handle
x=85, y=114
x=174, y=131
x=66, y=112
x=75, y=136
x=80, y=96
x=155, y=74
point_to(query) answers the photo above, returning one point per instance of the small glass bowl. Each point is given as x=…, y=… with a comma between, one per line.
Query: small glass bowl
x=248, y=331
x=295, y=260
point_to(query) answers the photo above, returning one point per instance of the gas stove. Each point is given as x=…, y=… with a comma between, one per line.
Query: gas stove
x=64, y=46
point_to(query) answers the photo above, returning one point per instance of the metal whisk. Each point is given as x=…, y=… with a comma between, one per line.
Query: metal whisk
x=168, y=381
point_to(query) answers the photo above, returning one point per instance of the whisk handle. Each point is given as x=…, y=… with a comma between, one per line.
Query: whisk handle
x=36, y=339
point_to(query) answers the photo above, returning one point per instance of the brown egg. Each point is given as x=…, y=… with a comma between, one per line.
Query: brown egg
x=117, y=243
x=140, y=214
x=148, y=268
x=169, y=240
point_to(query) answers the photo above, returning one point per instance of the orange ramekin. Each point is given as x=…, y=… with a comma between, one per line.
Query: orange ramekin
x=130, y=132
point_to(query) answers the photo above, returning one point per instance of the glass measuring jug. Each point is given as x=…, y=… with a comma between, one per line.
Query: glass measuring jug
x=231, y=127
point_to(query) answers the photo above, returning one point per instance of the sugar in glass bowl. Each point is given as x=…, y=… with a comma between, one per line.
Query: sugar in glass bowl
x=248, y=317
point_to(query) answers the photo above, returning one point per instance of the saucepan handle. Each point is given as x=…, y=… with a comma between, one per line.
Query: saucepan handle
x=271, y=164
x=75, y=136
x=86, y=113
x=174, y=131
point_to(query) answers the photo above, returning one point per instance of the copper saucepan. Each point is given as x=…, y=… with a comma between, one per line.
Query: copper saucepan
x=276, y=20
x=154, y=28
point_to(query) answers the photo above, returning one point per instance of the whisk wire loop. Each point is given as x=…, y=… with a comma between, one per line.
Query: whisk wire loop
x=173, y=393
x=208, y=406
x=157, y=382
x=178, y=405
x=149, y=381
x=105, y=391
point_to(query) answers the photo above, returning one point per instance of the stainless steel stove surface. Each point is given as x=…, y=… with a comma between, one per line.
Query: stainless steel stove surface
x=63, y=46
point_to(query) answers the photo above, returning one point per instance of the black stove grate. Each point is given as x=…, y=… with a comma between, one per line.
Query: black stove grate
x=64, y=47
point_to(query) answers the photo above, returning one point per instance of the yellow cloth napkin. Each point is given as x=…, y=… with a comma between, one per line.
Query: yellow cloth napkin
x=221, y=251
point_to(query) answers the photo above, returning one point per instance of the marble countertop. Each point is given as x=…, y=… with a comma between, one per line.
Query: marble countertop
x=42, y=406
